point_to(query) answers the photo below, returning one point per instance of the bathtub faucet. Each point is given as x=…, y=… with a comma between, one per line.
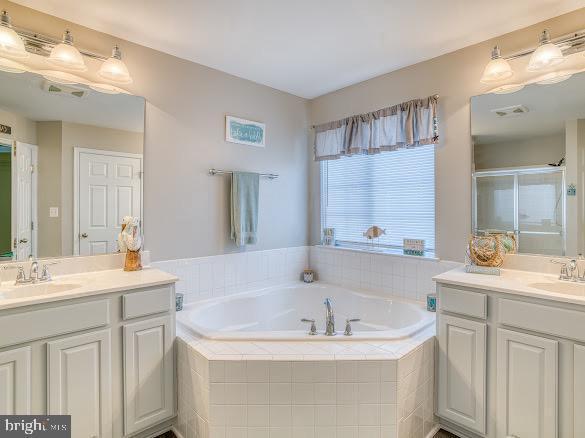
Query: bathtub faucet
x=329, y=318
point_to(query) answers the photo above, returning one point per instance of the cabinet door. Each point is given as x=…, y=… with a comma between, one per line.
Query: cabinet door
x=79, y=382
x=462, y=373
x=579, y=391
x=526, y=385
x=148, y=373
x=15, y=381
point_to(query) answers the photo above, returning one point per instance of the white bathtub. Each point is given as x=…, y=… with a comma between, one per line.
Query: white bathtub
x=275, y=313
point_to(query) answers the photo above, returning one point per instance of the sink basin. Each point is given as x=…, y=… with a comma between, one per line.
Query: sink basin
x=561, y=287
x=33, y=290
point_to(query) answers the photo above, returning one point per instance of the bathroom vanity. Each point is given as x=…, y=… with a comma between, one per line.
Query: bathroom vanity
x=511, y=355
x=97, y=346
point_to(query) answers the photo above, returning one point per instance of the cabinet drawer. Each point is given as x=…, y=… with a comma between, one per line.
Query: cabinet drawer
x=463, y=302
x=553, y=321
x=148, y=302
x=38, y=324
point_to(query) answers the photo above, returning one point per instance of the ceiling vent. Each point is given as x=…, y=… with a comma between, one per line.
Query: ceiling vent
x=63, y=90
x=515, y=110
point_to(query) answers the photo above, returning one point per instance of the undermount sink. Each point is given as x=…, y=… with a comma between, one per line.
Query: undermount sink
x=561, y=287
x=33, y=290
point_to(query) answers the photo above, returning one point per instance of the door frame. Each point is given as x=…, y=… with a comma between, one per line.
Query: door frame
x=34, y=197
x=77, y=151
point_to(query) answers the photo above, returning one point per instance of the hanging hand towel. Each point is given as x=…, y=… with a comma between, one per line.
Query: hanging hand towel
x=244, y=207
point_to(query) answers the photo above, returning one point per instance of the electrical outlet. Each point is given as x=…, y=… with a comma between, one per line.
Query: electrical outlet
x=53, y=211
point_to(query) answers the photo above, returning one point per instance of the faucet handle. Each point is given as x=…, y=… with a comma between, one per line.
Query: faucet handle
x=313, y=329
x=45, y=274
x=564, y=271
x=348, y=322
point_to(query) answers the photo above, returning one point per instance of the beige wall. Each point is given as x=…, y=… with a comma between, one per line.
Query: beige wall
x=23, y=129
x=536, y=151
x=49, y=135
x=455, y=77
x=186, y=211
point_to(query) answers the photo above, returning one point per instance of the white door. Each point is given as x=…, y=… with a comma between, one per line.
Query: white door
x=15, y=381
x=148, y=373
x=526, y=385
x=462, y=372
x=80, y=382
x=25, y=189
x=109, y=188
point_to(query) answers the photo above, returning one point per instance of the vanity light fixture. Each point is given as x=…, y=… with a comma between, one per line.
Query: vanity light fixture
x=66, y=56
x=546, y=55
x=61, y=77
x=555, y=77
x=497, y=69
x=506, y=89
x=11, y=45
x=113, y=69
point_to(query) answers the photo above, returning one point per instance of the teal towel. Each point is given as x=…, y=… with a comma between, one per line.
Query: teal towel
x=244, y=207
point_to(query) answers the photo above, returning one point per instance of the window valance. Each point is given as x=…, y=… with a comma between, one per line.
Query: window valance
x=406, y=125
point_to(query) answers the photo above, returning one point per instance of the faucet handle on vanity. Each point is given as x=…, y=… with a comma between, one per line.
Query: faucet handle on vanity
x=564, y=272
x=348, y=322
x=313, y=329
x=45, y=274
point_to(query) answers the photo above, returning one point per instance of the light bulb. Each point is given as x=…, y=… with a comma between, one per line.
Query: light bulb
x=11, y=45
x=546, y=55
x=66, y=56
x=113, y=69
x=497, y=69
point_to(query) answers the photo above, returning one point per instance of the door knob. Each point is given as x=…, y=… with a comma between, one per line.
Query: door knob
x=83, y=236
x=23, y=240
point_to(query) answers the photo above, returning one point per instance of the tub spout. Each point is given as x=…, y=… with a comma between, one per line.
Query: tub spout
x=329, y=318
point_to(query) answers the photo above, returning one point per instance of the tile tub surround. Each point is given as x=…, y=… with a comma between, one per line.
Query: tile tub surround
x=399, y=275
x=265, y=398
x=207, y=277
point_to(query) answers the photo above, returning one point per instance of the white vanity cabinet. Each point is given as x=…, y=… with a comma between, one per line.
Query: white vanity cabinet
x=107, y=360
x=509, y=365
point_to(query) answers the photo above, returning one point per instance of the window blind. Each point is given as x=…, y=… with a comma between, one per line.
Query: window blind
x=393, y=190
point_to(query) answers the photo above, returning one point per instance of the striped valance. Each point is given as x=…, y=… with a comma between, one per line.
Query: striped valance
x=407, y=125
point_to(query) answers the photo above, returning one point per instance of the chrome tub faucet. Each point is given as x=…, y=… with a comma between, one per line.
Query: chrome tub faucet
x=329, y=318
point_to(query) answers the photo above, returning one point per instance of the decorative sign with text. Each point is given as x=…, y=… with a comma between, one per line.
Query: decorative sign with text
x=5, y=129
x=244, y=131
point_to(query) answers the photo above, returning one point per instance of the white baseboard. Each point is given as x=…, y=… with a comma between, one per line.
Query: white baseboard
x=176, y=432
x=434, y=431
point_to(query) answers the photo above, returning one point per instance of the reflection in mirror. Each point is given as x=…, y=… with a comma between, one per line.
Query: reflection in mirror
x=529, y=166
x=71, y=163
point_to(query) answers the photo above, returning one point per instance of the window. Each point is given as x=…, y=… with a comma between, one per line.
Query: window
x=393, y=190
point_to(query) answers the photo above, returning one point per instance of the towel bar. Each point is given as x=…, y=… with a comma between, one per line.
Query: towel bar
x=226, y=172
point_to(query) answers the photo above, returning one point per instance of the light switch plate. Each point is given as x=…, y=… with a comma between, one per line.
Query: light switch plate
x=53, y=211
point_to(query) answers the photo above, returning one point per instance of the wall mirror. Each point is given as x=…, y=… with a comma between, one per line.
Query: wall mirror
x=71, y=161
x=529, y=166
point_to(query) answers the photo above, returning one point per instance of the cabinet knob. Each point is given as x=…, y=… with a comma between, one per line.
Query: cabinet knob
x=84, y=235
x=23, y=240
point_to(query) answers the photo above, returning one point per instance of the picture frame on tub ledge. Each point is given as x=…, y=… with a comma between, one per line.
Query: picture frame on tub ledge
x=244, y=131
x=414, y=247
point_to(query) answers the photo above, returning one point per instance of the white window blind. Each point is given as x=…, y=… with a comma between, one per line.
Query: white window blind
x=393, y=190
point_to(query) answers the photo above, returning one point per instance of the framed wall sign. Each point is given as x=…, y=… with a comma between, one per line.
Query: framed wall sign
x=4, y=129
x=245, y=131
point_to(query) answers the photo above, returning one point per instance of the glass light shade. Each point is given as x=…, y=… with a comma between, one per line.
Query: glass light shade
x=113, y=69
x=107, y=88
x=498, y=69
x=66, y=56
x=506, y=89
x=546, y=55
x=61, y=77
x=11, y=45
x=555, y=77
x=10, y=66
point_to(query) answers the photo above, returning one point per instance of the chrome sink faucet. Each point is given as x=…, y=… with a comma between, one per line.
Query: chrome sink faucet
x=329, y=318
x=569, y=270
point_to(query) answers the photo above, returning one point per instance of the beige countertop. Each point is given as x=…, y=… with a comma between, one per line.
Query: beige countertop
x=88, y=284
x=524, y=283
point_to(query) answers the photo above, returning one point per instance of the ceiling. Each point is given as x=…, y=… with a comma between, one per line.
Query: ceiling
x=305, y=47
x=24, y=94
x=549, y=107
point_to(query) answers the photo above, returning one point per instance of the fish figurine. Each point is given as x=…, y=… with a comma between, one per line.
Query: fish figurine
x=374, y=232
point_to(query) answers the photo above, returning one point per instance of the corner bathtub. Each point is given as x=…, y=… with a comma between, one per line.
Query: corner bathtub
x=274, y=313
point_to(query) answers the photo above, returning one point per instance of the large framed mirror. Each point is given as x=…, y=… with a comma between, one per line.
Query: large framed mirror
x=529, y=166
x=71, y=161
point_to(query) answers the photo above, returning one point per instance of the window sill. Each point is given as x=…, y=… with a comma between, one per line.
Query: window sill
x=429, y=256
